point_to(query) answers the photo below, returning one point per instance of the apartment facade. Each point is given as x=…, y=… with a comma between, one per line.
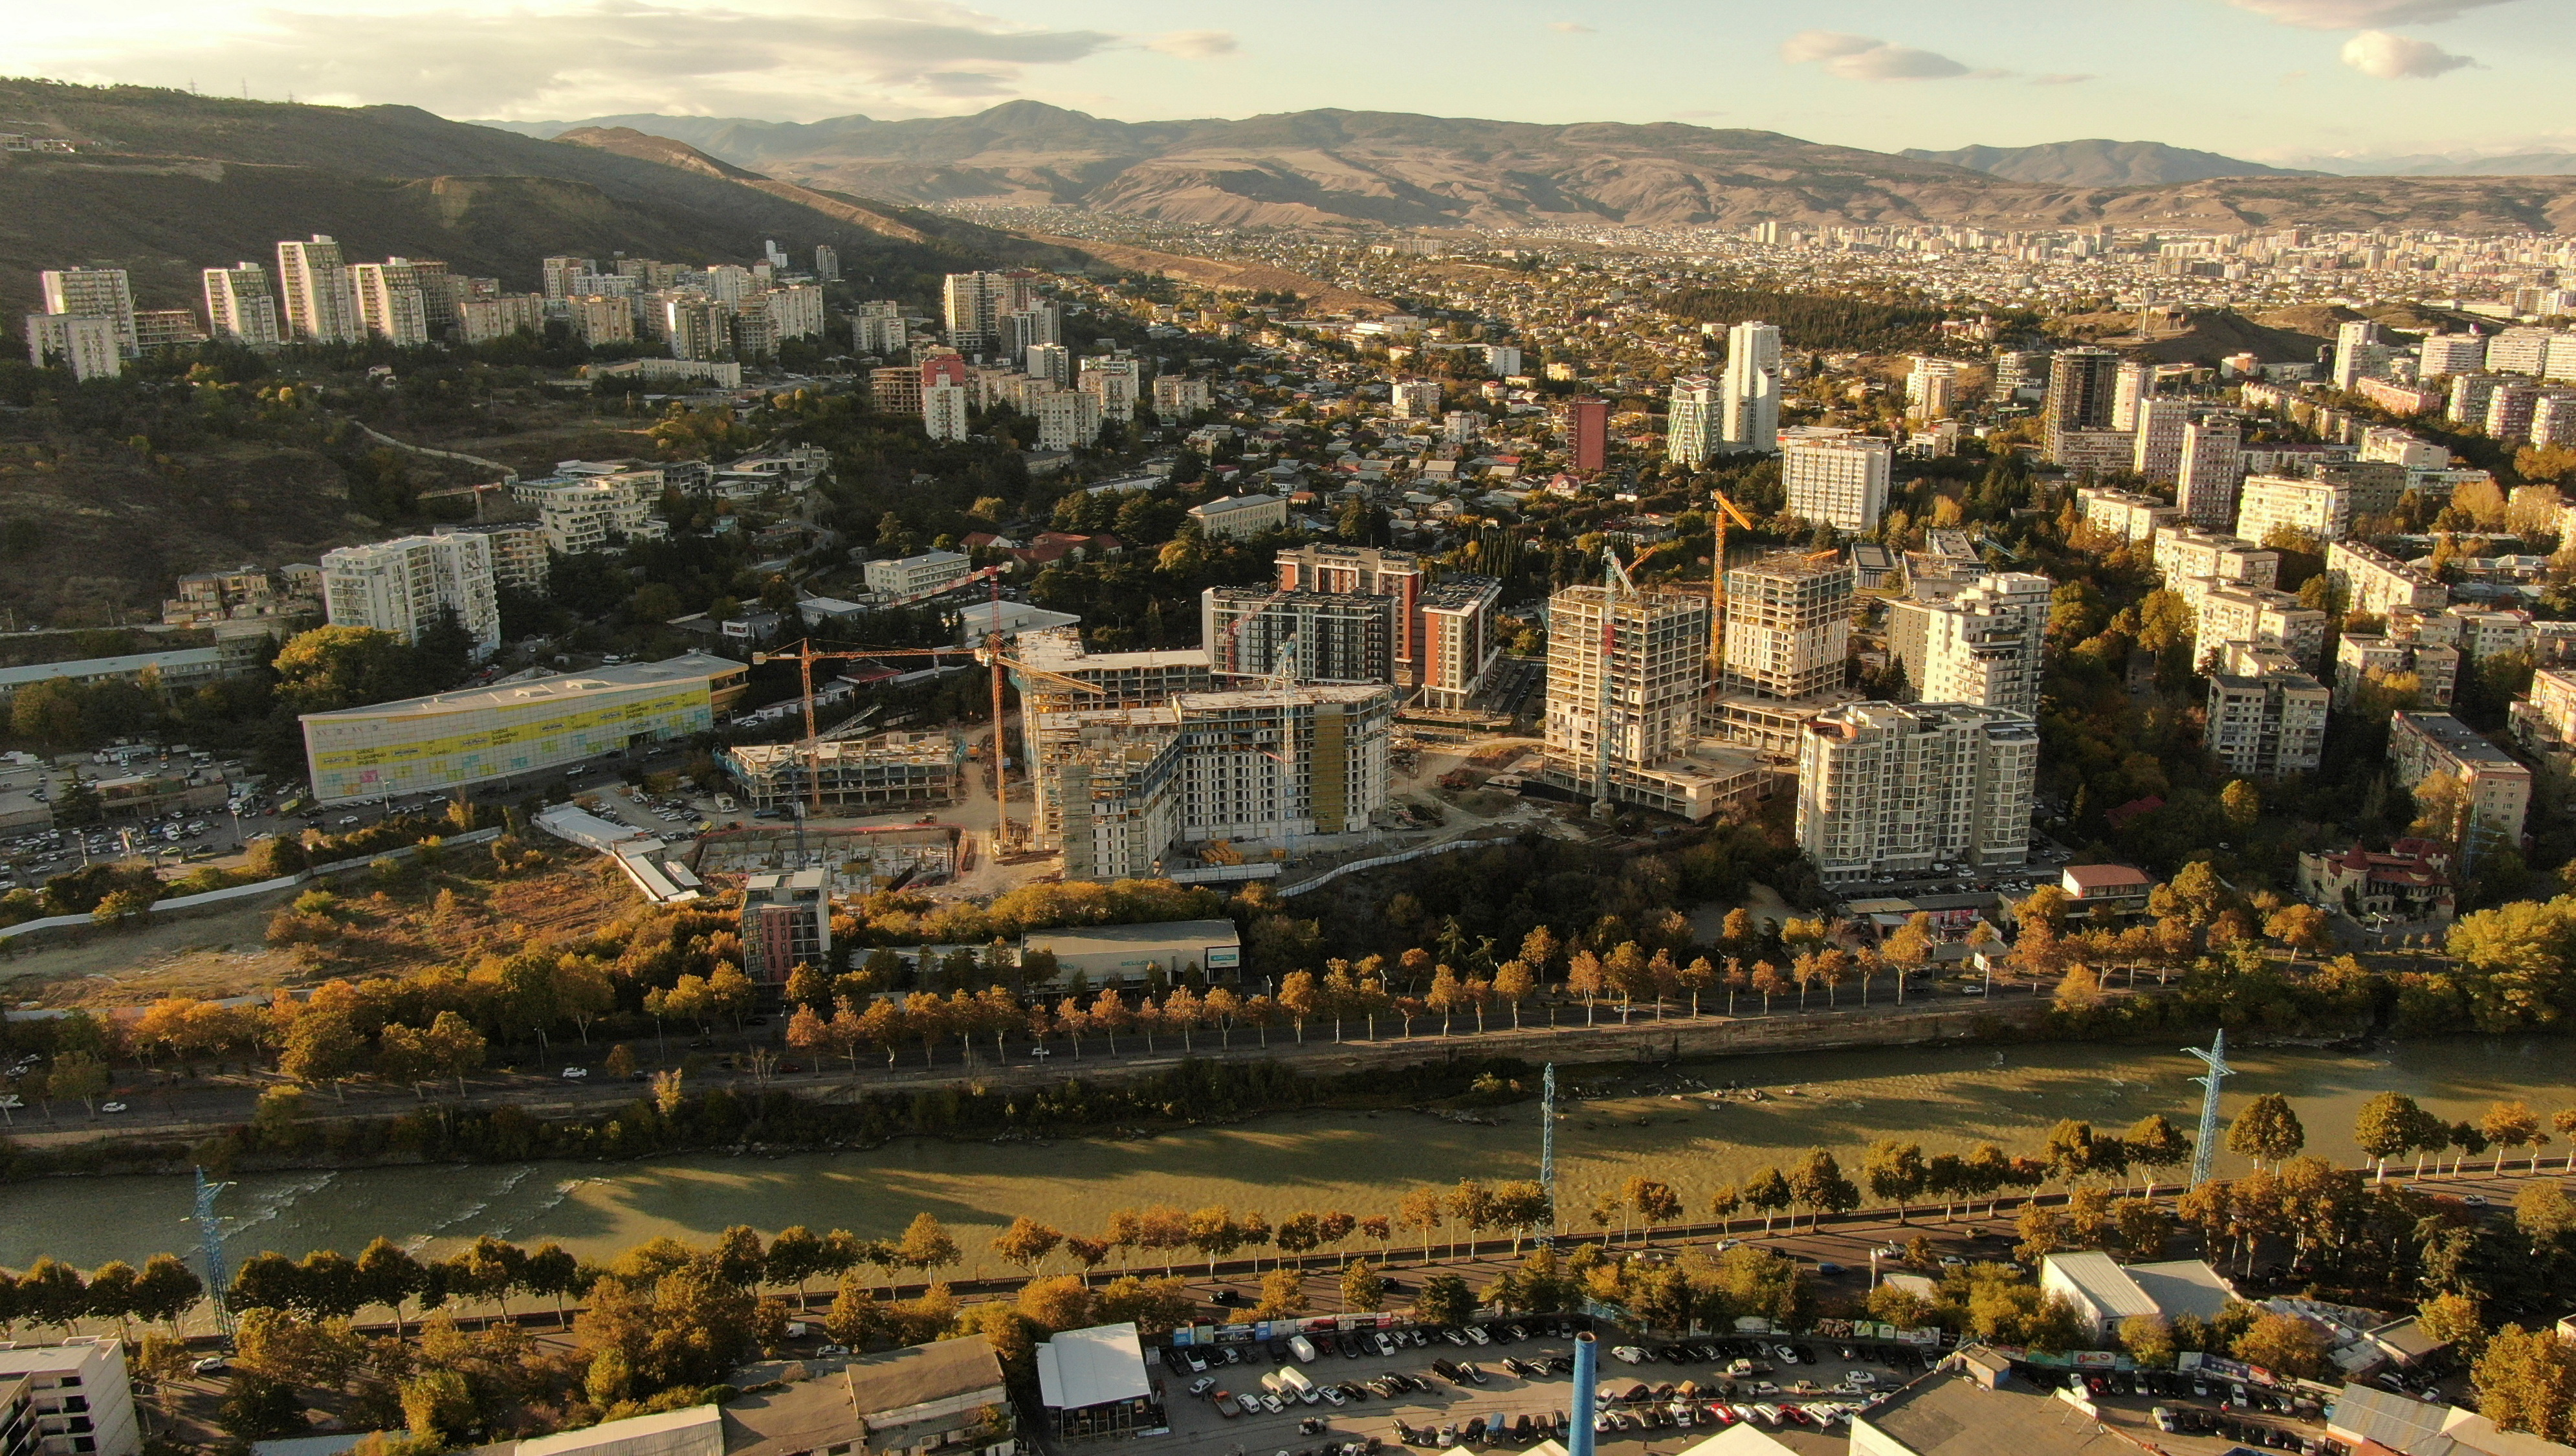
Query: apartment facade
x=912, y=575
x=2495, y=788
x=78, y=1393
x=313, y=279
x=2267, y=716
x=1241, y=515
x=1692, y=420
x=2185, y=553
x=2262, y=617
x=1311, y=636
x=1982, y=647
x=1841, y=482
x=102, y=293
x=403, y=586
x=2211, y=473
x=1459, y=644
x=239, y=307
x=1750, y=415
x=2125, y=514
x=1886, y=789
x=1647, y=674
x=786, y=922
x=2377, y=583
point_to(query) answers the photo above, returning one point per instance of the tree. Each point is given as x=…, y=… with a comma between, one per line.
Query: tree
x=1819, y=1186
x=1767, y=1193
x=926, y=1245
x=165, y=1290
x=330, y=668
x=322, y=1046
x=1363, y=1290
x=2524, y=1379
x=78, y=1074
x=2303, y=928
x=1026, y=1243
x=2387, y=1125
x=2285, y=1345
x=1895, y=1173
x=2267, y=1130
x=1420, y=1210
x=1444, y=1299
x=2451, y=1318
x=2155, y=1144
x=1283, y=1293
x=2149, y=1339
x=2508, y=1125
x=454, y=1047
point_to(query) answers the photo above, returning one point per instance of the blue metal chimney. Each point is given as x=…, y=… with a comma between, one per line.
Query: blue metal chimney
x=1587, y=1394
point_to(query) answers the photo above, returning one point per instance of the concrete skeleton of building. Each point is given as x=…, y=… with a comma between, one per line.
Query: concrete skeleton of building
x=1641, y=658
x=1839, y=480
x=2493, y=789
x=1310, y=636
x=407, y=585
x=2266, y=714
x=1788, y=624
x=1888, y=789
x=449, y=740
x=874, y=775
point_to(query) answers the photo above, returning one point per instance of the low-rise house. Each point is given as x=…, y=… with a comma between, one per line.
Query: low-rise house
x=2411, y=879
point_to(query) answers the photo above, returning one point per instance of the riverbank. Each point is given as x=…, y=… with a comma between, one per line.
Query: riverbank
x=1681, y=1123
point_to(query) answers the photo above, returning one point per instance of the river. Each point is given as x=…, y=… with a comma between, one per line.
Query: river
x=1614, y=1127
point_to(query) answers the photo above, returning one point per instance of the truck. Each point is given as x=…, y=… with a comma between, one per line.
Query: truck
x=1295, y=1379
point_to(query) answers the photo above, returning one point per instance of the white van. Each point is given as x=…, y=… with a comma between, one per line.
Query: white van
x=1302, y=1348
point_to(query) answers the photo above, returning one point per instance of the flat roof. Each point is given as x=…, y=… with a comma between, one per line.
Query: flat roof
x=2107, y=876
x=921, y=1374
x=2102, y=1281
x=1086, y=938
x=2183, y=1286
x=563, y=687
x=1952, y=1415
x=36, y=672
x=670, y=1431
x=1090, y=1367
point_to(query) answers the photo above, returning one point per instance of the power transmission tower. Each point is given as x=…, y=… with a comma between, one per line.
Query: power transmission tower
x=210, y=1244
x=1547, y=1141
x=2216, y=1057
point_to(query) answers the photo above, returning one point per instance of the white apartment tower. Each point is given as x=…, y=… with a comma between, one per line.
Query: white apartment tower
x=315, y=281
x=1788, y=624
x=943, y=411
x=1932, y=389
x=239, y=307
x=401, y=586
x=2158, y=453
x=1114, y=382
x=84, y=345
x=1750, y=419
x=1841, y=481
x=1691, y=423
x=1981, y=647
x=93, y=293
x=976, y=305
x=1886, y=789
x=390, y=303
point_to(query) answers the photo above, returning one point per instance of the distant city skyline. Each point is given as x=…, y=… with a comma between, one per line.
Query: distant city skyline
x=2283, y=81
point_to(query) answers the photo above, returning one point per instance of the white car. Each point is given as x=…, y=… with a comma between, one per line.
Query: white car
x=575, y=1074
x=111, y=1107
x=1628, y=1355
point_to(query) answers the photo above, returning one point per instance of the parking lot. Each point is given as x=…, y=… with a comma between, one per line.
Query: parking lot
x=1651, y=1390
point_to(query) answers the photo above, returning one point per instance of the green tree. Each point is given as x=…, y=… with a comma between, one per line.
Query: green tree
x=2387, y=1125
x=2525, y=1380
x=2285, y=1345
x=1444, y=1299
x=1363, y=1289
x=330, y=668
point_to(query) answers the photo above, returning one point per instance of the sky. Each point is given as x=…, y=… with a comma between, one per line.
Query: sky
x=2271, y=80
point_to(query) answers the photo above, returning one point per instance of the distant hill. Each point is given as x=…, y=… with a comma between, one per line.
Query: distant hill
x=1391, y=169
x=2100, y=163
x=166, y=182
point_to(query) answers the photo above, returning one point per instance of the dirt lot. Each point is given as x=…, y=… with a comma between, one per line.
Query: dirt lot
x=388, y=933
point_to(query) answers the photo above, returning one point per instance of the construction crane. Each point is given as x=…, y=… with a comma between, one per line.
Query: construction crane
x=1717, y=584
x=805, y=655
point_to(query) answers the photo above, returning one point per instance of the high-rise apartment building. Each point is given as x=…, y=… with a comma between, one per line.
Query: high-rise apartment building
x=1415, y=399
x=2510, y=407
x=1840, y=480
x=1117, y=383
x=1311, y=636
x=2258, y=616
x=2372, y=581
x=2418, y=654
x=2360, y=353
x=560, y=271
x=2491, y=788
x=1052, y=363
x=943, y=410
x=2132, y=386
x=2267, y=715
x=2445, y=355
x=1932, y=389
x=391, y=306
x=314, y=279
x=78, y=342
x=2083, y=393
x=1067, y=419
x=976, y=304
x=2210, y=473
x=93, y=293
x=1368, y=571
x=1982, y=646
x=1691, y=420
x=1041, y=322
x=239, y=307
x=2157, y=455
x=1887, y=789
x=1788, y=624
x=1587, y=430
x=1750, y=416
x=1177, y=397
x=1458, y=643
x=878, y=328
x=2317, y=507
x=403, y=586
x=827, y=263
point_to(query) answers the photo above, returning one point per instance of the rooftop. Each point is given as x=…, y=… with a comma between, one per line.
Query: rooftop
x=902, y=1379
x=687, y=667
x=2459, y=739
x=1088, y=938
x=1949, y=1415
x=2100, y=1280
x=178, y=658
x=1096, y=1366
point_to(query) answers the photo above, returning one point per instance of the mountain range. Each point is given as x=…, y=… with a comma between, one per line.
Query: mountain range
x=1353, y=168
x=2099, y=163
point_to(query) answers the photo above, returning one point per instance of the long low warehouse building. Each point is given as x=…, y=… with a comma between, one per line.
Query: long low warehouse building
x=449, y=740
x=1125, y=954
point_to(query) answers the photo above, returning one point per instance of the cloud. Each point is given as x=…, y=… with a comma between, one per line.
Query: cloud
x=1571, y=27
x=2394, y=57
x=2064, y=78
x=601, y=56
x=1194, y=45
x=2361, y=14
x=1866, y=58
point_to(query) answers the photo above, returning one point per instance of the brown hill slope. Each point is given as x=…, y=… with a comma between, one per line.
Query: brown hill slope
x=1324, y=168
x=166, y=182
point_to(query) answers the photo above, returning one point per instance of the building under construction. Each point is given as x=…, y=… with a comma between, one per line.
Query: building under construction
x=1118, y=788
x=1625, y=669
x=864, y=776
